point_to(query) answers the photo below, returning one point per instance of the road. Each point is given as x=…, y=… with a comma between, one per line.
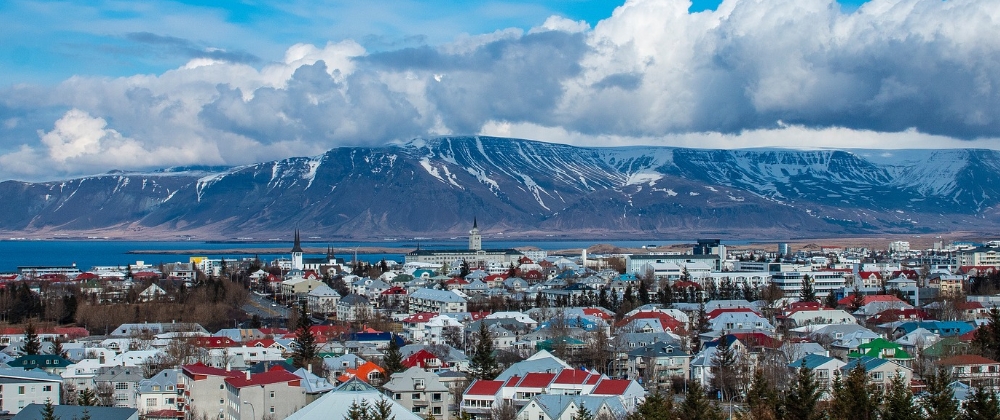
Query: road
x=265, y=308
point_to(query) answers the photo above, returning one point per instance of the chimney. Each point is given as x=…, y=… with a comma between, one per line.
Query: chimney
x=229, y=367
x=309, y=367
x=248, y=374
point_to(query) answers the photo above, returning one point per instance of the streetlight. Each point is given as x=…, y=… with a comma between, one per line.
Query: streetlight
x=253, y=413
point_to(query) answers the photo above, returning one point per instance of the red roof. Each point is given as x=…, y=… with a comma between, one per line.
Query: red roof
x=892, y=315
x=264, y=342
x=598, y=312
x=870, y=275
x=420, y=359
x=969, y=336
x=394, y=290
x=146, y=275
x=756, y=339
x=977, y=269
x=277, y=374
x=573, y=377
x=869, y=299
x=719, y=311
x=456, y=280
x=87, y=276
x=214, y=342
x=611, y=387
x=684, y=284
x=966, y=359
x=273, y=331
x=420, y=317
x=481, y=387
x=909, y=274
x=536, y=380
x=667, y=321
x=202, y=369
x=968, y=305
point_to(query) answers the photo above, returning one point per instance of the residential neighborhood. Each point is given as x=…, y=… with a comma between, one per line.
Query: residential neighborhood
x=506, y=334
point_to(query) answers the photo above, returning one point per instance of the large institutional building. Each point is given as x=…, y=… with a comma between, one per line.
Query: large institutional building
x=474, y=256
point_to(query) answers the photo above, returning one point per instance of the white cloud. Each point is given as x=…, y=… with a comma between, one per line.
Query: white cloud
x=754, y=73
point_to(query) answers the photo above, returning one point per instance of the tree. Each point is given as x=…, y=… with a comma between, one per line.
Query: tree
x=464, y=269
x=983, y=405
x=939, y=403
x=32, y=346
x=57, y=348
x=857, y=301
x=393, y=359
x=357, y=411
x=582, y=413
x=808, y=293
x=655, y=407
x=802, y=400
x=762, y=399
x=696, y=405
x=484, y=363
x=49, y=411
x=86, y=397
x=899, y=404
x=987, y=338
x=304, y=348
x=831, y=301
x=503, y=411
x=724, y=374
x=855, y=397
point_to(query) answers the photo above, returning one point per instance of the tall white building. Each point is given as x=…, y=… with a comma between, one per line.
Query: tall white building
x=297, y=253
x=475, y=239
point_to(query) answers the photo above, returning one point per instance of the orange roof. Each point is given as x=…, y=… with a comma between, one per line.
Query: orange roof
x=966, y=359
x=361, y=372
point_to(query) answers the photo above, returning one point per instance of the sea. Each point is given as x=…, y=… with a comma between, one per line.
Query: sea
x=86, y=254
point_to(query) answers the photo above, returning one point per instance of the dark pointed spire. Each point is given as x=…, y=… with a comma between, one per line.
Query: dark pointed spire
x=475, y=223
x=297, y=246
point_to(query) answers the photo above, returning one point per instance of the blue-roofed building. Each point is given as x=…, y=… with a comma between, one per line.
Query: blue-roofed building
x=19, y=387
x=564, y=407
x=433, y=300
x=941, y=328
x=880, y=371
x=823, y=368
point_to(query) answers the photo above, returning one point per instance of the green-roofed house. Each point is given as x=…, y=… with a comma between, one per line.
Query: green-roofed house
x=883, y=349
x=48, y=362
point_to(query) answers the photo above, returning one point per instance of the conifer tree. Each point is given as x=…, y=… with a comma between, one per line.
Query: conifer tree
x=484, y=363
x=304, y=348
x=393, y=360
x=32, y=345
x=49, y=411
x=762, y=400
x=983, y=405
x=57, y=348
x=987, y=338
x=696, y=405
x=724, y=377
x=582, y=413
x=855, y=397
x=899, y=404
x=87, y=397
x=381, y=410
x=357, y=411
x=808, y=293
x=655, y=407
x=643, y=293
x=802, y=400
x=939, y=402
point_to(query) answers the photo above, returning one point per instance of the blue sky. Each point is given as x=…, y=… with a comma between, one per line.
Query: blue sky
x=46, y=42
x=135, y=85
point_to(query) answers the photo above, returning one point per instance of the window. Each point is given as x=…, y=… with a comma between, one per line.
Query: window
x=221, y=386
x=121, y=385
x=272, y=409
x=437, y=396
x=415, y=396
x=150, y=402
x=20, y=390
x=46, y=388
x=416, y=409
x=399, y=396
x=437, y=411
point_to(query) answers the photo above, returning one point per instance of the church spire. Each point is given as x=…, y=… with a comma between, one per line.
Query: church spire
x=475, y=223
x=297, y=246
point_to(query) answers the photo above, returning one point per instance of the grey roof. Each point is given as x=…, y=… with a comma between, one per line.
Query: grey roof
x=166, y=378
x=555, y=405
x=32, y=375
x=34, y=412
x=437, y=295
x=324, y=291
x=353, y=299
x=541, y=364
x=404, y=381
x=313, y=384
x=334, y=404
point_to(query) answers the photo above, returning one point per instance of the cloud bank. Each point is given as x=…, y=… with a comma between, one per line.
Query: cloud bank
x=753, y=73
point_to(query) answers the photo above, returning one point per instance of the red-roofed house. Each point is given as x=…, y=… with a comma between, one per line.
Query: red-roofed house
x=479, y=398
x=276, y=393
x=423, y=359
x=973, y=370
x=574, y=381
x=719, y=311
x=368, y=372
x=977, y=270
x=972, y=310
x=870, y=278
x=629, y=391
x=204, y=390
x=214, y=342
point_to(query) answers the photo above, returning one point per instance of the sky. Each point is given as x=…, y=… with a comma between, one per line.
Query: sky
x=87, y=87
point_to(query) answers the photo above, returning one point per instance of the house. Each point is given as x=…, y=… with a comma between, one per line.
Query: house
x=277, y=393
x=883, y=349
x=421, y=392
x=440, y=301
x=48, y=362
x=366, y=372
x=300, y=286
x=658, y=363
x=160, y=392
x=879, y=371
x=323, y=299
x=204, y=390
x=314, y=385
x=335, y=404
x=973, y=370
x=353, y=307
x=480, y=397
x=565, y=407
x=823, y=369
x=21, y=388
x=124, y=380
x=151, y=293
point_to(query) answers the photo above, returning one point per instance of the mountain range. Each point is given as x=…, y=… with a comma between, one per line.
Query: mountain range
x=435, y=187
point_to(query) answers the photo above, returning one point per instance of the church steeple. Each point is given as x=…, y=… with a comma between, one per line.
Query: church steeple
x=297, y=245
x=297, y=252
x=475, y=240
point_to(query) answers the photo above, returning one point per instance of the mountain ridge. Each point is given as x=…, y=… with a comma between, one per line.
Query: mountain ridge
x=436, y=185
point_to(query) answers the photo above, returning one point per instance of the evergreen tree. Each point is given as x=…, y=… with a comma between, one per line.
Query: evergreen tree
x=32, y=345
x=855, y=397
x=628, y=296
x=582, y=413
x=602, y=299
x=899, y=404
x=987, y=338
x=831, y=301
x=87, y=397
x=762, y=400
x=49, y=411
x=983, y=405
x=696, y=405
x=643, y=293
x=464, y=269
x=484, y=363
x=393, y=360
x=655, y=407
x=357, y=411
x=857, y=301
x=304, y=348
x=802, y=400
x=808, y=293
x=381, y=410
x=939, y=403
x=57, y=348
x=724, y=374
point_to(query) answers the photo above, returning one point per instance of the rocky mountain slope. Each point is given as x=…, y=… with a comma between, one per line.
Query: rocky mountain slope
x=434, y=187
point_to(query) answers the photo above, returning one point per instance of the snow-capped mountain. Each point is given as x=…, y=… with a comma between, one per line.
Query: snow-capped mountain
x=436, y=186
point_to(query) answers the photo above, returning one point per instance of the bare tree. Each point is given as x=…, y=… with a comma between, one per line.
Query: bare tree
x=503, y=411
